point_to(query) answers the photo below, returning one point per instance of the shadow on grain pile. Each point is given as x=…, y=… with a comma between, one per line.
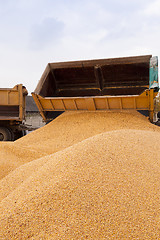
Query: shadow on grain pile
x=88, y=187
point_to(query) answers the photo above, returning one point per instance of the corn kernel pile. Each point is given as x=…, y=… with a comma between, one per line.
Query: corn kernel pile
x=82, y=176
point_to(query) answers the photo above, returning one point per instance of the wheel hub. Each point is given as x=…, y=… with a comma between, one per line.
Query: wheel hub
x=1, y=137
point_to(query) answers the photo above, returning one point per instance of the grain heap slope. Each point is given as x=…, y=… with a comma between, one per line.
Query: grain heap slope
x=70, y=128
x=66, y=130
x=102, y=183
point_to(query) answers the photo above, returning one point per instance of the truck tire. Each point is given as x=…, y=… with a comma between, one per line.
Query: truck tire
x=5, y=134
x=12, y=134
x=19, y=134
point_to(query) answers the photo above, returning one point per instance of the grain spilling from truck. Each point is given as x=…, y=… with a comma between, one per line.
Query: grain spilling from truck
x=129, y=83
x=97, y=179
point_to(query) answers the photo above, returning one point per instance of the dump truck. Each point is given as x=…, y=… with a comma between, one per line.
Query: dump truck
x=12, y=112
x=116, y=84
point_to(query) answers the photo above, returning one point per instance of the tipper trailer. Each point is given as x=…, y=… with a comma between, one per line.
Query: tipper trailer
x=12, y=112
x=115, y=84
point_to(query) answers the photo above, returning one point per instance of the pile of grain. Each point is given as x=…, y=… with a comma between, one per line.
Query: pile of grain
x=98, y=180
x=66, y=130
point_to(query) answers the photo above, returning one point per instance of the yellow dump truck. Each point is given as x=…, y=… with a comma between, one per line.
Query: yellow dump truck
x=116, y=84
x=12, y=112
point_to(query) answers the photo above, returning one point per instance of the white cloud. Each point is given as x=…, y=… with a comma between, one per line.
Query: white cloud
x=152, y=9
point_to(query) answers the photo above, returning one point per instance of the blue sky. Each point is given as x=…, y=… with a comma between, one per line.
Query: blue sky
x=35, y=32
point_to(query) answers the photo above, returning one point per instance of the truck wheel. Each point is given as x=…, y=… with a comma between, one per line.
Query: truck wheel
x=19, y=134
x=12, y=134
x=5, y=134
